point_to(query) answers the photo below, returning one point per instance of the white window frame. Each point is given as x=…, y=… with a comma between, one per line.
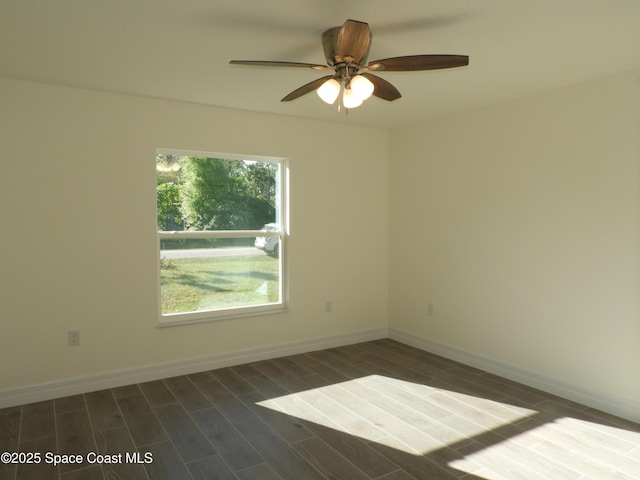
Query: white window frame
x=282, y=221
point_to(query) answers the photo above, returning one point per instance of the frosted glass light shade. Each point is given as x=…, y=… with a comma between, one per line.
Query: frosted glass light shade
x=350, y=99
x=362, y=87
x=329, y=91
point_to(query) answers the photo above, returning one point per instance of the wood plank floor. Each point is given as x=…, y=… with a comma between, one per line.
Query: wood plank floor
x=376, y=410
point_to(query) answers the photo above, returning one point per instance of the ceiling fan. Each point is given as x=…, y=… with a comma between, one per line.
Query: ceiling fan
x=346, y=49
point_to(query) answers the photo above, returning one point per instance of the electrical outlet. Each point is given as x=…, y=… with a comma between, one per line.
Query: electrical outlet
x=328, y=306
x=73, y=338
x=430, y=309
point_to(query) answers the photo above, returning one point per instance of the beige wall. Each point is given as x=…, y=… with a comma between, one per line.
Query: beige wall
x=521, y=224
x=78, y=229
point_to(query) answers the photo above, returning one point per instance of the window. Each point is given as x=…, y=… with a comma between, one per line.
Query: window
x=221, y=235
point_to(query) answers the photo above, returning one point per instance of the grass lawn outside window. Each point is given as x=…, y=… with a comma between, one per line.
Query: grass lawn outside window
x=210, y=283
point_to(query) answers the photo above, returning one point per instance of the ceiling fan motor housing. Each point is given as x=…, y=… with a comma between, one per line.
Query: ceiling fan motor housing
x=331, y=53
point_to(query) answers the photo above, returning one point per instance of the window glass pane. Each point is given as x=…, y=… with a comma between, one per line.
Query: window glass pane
x=211, y=274
x=204, y=267
x=198, y=193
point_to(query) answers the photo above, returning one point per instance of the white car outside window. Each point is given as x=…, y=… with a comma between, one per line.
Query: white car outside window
x=271, y=245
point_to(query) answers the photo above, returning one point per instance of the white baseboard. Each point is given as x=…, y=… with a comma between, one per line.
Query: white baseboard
x=71, y=386
x=89, y=383
x=602, y=401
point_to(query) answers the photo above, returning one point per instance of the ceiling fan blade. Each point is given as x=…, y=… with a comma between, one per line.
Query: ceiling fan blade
x=309, y=87
x=418, y=62
x=354, y=40
x=382, y=88
x=265, y=63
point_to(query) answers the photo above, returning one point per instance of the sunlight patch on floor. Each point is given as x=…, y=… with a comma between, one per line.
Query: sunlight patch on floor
x=558, y=449
x=406, y=416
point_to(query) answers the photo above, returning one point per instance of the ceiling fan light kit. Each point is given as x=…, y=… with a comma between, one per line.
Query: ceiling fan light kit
x=346, y=49
x=354, y=91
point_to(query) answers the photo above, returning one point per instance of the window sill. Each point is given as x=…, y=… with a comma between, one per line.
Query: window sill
x=218, y=315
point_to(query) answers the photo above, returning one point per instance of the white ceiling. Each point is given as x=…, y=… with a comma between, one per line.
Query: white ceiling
x=180, y=49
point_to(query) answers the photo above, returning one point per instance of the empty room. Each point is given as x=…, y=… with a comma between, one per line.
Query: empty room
x=290, y=240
